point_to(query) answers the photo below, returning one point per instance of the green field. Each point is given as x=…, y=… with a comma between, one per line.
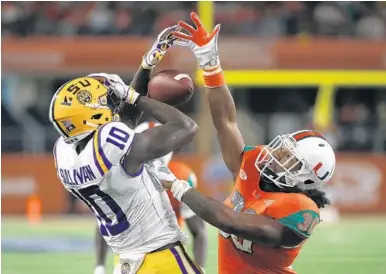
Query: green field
x=355, y=246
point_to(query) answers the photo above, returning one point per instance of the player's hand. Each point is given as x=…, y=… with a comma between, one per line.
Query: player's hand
x=117, y=85
x=202, y=43
x=168, y=180
x=178, y=188
x=164, y=41
x=112, y=81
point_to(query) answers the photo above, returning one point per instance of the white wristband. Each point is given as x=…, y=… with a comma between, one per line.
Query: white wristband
x=179, y=188
x=132, y=96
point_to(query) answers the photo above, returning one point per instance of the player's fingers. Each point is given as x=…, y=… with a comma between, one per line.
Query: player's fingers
x=186, y=27
x=174, y=29
x=196, y=20
x=181, y=42
x=182, y=36
x=215, y=31
x=166, y=33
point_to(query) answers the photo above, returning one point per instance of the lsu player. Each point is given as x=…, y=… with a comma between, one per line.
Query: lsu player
x=183, y=213
x=274, y=206
x=110, y=168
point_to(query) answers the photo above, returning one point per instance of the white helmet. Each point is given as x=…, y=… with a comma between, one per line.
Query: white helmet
x=146, y=125
x=314, y=165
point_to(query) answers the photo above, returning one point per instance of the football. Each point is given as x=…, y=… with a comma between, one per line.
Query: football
x=171, y=87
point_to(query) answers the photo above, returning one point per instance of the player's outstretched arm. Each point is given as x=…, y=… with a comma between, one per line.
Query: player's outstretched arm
x=129, y=114
x=256, y=228
x=222, y=107
x=139, y=83
x=228, y=134
x=178, y=128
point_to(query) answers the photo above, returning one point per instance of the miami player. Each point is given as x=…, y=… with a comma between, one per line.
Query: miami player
x=183, y=213
x=111, y=168
x=274, y=205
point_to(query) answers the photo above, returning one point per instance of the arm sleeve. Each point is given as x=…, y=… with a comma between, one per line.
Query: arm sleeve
x=111, y=142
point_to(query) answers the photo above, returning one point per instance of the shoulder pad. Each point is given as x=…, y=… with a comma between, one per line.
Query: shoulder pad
x=302, y=222
x=295, y=211
x=110, y=143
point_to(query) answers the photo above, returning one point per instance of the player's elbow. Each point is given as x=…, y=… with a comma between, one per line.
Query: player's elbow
x=193, y=128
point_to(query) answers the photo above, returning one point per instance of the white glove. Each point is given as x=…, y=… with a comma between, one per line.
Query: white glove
x=179, y=188
x=168, y=179
x=120, y=89
x=164, y=41
x=202, y=43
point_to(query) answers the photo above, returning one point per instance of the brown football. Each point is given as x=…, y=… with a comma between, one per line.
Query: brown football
x=171, y=87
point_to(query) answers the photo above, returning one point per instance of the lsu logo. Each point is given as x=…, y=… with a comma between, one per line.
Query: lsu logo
x=84, y=97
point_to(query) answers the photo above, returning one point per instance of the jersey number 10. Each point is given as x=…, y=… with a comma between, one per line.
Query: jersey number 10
x=93, y=197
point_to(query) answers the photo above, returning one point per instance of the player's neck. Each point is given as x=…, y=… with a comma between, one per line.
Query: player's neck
x=271, y=187
x=319, y=197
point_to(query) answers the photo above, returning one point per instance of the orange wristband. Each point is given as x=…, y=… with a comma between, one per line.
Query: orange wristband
x=214, y=78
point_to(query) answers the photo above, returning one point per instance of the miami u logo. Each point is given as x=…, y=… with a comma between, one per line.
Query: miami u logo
x=316, y=168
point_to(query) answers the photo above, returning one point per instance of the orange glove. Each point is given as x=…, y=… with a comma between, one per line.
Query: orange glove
x=204, y=47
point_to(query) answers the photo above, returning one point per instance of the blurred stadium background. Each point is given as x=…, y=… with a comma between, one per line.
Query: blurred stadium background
x=290, y=65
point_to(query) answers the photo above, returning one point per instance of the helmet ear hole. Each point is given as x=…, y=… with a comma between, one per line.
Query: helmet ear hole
x=308, y=182
x=96, y=116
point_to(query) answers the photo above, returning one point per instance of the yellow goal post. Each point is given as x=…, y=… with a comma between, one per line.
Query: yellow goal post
x=325, y=80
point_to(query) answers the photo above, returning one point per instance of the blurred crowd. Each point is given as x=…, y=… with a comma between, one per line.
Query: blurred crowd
x=335, y=18
x=359, y=118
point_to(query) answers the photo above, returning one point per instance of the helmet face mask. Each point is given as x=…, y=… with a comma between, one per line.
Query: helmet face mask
x=80, y=107
x=288, y=161
x=279, y=162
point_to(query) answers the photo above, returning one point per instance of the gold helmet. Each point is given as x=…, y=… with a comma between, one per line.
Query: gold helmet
x=80, y=107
